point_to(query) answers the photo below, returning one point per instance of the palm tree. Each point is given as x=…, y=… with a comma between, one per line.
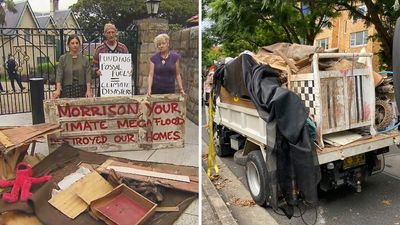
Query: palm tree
x=10, y=6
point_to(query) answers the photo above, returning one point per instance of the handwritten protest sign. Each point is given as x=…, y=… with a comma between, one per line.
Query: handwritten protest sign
x=118, y=123
x=116, y=75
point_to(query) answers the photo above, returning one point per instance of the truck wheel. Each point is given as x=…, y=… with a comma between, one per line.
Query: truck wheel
x=222, y=147
x=239, y=158
x=256, y=172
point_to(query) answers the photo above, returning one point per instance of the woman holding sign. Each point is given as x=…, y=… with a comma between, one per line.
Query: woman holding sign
x=73, y=76
x=164, y=68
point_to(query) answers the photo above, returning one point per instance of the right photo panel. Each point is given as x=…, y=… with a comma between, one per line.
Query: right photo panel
x=299, y=111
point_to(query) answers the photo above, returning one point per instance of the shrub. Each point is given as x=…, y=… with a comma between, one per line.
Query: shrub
x=45, y=68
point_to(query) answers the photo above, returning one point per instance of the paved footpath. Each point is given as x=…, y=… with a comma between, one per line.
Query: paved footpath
x=187, y=156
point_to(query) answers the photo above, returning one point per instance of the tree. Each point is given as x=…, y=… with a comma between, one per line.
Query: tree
x=178, y=11
x=294, y=21
x=93, y=14
x=10, y=6
x=383, y=16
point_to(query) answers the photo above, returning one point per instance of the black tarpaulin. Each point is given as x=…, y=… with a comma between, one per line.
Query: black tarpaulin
x=292, y=164
x=233, y=78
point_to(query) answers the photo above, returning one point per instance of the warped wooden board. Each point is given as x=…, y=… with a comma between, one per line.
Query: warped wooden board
x=9, y=160
x=76, y=199
x=18, y=218
x=15, y=137
x=192, y=186
x=342, y=138
x=118, y=123
x=135, y=171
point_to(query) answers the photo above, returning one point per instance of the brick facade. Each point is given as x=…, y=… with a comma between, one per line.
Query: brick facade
x=340, y=33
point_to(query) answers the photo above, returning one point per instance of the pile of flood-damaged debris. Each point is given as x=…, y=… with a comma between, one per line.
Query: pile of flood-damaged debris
x=295, y=59
x=71, y=186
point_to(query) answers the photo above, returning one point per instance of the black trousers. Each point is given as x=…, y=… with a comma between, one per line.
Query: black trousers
x=15, y=77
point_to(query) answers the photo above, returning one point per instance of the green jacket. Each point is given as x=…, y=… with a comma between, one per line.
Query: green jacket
x=65, y=68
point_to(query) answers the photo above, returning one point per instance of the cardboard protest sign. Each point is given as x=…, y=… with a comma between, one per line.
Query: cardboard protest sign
x=118, y=123
x=116, y=74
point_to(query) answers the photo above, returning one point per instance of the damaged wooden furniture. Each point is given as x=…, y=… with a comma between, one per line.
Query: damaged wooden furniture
x=14, y=143
x=340, y=99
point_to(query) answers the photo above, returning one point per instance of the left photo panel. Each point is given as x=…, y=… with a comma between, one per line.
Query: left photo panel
x=99, y=112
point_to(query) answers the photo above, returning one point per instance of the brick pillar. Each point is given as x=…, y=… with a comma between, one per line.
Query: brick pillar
x=148, y=30
x=185, y=42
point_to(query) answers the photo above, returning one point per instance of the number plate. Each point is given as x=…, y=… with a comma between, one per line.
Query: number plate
x=354, y=161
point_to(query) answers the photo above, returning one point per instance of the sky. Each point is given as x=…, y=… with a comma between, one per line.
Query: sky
x=44, y=5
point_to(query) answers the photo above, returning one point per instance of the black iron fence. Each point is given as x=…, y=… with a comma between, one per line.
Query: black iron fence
x=36, y=53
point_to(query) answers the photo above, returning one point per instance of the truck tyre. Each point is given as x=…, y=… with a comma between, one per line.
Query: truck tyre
x=239, y=158
x=256, y=172
x=222, y=146
x=383, y=114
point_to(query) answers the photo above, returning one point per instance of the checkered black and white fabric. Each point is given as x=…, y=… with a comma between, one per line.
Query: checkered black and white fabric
x=305, y=89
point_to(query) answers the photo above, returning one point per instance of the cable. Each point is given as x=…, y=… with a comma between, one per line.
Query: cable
x=281, y=214
x=389, y=129
x=302, y=218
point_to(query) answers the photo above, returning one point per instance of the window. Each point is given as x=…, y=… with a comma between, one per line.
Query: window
x=49, y=39
x=323, y=43
x=27, y=34
x=325, y=21
x=358, y=38
x=345, y=26
x=363, y=10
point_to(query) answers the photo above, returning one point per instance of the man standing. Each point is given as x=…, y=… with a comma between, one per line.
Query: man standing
x=110, y=45
x=11, y=66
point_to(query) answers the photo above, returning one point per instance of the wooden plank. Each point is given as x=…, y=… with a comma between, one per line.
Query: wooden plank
x=134, y=171
x=18, y=218
x=167, y=209
x=119, y=123
x=342, y=138
x=344, y=73
x=10, y=160
x=192, y=186
x=303, y=62
x=227, y=98
x=302, y=76
x=5, y=140
x=287, y=60
x=24, y=135
x=75, y=199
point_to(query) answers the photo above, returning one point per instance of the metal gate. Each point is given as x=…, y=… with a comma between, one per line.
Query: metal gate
x=36, y=52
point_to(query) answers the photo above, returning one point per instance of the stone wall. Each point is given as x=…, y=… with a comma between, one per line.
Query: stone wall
x=185, y=42
x=148, y=29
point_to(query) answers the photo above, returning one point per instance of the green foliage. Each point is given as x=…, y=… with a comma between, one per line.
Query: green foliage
x=93, y=14
x=45, y=68
x=10, y=6
x=247, y=25
x=178, y=11
x=285, y=19
x=382, y=16
x=174, y=27
x=90, y=58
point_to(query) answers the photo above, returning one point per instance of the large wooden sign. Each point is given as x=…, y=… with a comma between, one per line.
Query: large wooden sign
x=116, y=74
x=118, y=123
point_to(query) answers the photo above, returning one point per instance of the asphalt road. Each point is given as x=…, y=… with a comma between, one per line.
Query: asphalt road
x=377, y=204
